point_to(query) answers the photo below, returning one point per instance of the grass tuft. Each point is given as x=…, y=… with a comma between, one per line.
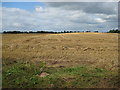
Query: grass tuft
x=27, y=75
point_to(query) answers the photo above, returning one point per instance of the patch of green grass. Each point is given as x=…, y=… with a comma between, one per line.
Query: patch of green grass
x=27, y=75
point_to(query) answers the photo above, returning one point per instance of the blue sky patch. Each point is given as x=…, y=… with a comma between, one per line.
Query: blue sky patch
x=30, y=6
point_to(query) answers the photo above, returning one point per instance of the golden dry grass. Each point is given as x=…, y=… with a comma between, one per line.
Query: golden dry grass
x=62, y=50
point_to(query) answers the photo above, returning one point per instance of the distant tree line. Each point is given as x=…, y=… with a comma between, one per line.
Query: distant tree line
x=18, y=32
x=53, y=32
x=114, y=31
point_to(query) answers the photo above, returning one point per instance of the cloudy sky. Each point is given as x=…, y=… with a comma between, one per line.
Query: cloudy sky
x=59, y=16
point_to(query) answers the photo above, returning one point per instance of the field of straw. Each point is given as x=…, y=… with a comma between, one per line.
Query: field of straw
x=70, y=60
x=63, y=50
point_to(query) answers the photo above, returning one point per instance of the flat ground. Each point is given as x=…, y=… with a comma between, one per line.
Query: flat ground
x=99, y=50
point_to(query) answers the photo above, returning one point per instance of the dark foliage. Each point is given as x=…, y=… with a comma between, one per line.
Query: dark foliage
x=114, y=31
x=53, y=32
x=18, y=32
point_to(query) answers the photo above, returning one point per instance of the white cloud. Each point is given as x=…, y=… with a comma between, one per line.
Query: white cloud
x=57, y=19
x=39, y=9
x=60, y=0
x=100, y=20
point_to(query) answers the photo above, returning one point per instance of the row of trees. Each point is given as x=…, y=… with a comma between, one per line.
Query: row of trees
x=114, y=31
x=17, y=32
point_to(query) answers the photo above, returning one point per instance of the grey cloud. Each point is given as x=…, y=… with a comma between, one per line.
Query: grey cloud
x=108, y=18
x=59, y=18
x=88, y=7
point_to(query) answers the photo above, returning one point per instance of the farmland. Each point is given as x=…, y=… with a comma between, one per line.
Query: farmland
x=77, y=60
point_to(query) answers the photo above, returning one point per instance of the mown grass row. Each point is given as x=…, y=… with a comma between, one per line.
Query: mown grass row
x=27, y=75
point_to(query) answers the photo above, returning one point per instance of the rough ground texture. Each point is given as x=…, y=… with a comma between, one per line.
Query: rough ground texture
x=59, y=50
x=74, y=60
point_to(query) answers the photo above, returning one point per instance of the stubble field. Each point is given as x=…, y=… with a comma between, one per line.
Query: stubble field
x=98, y=51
